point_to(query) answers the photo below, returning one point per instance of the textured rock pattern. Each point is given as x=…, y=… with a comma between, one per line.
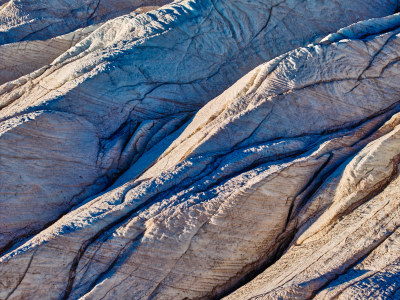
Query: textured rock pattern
x=132, y=165
x=21, y=58
x=22, y=20
x=141, y=63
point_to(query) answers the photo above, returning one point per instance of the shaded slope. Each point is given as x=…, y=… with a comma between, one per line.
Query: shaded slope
x=318, y=137
x=137, y=80
x=26, y=20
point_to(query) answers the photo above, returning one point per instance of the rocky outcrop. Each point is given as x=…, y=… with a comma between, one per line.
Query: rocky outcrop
x=347, y=247
x=26, y=20
x=21, y=58
x=136, y=99
x=121, y=179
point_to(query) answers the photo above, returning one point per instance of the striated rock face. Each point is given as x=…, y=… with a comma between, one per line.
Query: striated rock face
x=137, y=80
x=22, y=20
x=246, y=149
x=32, y=32
x=21, y=58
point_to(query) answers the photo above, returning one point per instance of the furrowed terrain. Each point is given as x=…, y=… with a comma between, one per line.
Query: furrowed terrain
x=245, y=149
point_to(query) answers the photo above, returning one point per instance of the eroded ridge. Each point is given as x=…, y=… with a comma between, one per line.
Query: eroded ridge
x=291, y=171
x=127, y=90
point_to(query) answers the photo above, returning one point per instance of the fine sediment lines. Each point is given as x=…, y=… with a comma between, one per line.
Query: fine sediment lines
x=291, y=172
x=129, y=88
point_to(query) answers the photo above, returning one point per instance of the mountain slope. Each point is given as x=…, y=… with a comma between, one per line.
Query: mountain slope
x=299, y=157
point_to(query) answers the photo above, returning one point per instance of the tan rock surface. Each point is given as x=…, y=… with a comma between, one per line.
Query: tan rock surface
x=138, y=78
x=290, y=173
x=24, y=20
x=21, y=58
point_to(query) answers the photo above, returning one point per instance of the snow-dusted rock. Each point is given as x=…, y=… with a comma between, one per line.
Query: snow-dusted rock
x=299, y=154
